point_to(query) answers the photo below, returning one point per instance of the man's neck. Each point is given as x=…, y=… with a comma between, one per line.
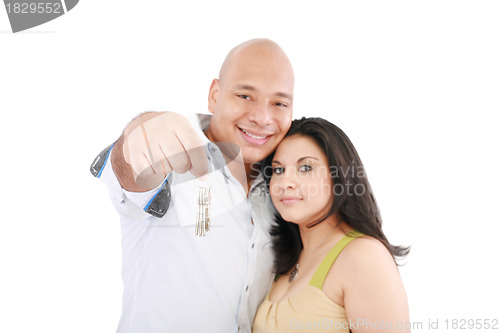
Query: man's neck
x=243, y=172
x=252, y=171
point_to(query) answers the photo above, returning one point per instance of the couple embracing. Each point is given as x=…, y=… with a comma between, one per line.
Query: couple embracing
x=260, y=235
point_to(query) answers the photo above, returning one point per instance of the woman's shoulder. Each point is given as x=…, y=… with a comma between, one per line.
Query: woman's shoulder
x=364, y=257
x=367, y=253
x=368, y=282
x=365, y=242
x=357, y=266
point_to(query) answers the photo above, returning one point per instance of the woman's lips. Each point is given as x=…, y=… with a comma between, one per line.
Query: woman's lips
x=290, y=200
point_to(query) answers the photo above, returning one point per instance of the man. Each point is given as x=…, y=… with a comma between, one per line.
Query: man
x=174, y=280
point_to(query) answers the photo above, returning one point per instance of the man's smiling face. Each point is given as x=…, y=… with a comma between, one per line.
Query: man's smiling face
x=252, y=100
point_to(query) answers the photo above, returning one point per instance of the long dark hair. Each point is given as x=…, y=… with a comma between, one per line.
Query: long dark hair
x=356, y=207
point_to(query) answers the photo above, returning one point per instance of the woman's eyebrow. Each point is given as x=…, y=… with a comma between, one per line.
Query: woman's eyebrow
x=298, y=161
x=306, y=157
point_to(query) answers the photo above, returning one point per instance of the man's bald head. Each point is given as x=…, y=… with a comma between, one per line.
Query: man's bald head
x=252, y=101
x=255, y=52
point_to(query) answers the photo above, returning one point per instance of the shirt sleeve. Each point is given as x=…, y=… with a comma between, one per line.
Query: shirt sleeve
x=154, y=202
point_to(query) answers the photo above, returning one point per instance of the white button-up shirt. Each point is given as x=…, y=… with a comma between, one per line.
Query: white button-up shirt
x=175, y=281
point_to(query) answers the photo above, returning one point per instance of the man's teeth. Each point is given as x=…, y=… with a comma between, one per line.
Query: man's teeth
x=254, y=136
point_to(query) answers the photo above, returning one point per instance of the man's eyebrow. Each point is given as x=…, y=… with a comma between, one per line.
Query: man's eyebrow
x=244, y=86
x=284, y=95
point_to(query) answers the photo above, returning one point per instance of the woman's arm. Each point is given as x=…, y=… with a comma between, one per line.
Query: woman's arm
x=374, y=296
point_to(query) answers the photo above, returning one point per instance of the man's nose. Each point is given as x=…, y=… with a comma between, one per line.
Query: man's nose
x=261, y=113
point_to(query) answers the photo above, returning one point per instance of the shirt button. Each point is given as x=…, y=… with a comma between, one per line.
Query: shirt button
x=246, y=289
x=253, y=245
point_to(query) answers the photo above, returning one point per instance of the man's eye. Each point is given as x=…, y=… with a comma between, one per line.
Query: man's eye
x=305, y=168
x=277, y=171
x=244, y=97
x=281, y=105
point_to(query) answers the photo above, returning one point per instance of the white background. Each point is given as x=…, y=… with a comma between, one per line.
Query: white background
x=416, y=86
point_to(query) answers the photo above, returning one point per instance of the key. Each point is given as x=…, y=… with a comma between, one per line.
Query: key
x=202, y=225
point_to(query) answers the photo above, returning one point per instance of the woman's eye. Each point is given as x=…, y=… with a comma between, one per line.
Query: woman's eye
x=277, y=171
x=305, y=168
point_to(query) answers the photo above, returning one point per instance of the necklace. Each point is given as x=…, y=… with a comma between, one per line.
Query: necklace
x=295, y=271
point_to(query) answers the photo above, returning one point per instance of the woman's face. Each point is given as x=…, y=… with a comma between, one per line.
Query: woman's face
x=301, y=186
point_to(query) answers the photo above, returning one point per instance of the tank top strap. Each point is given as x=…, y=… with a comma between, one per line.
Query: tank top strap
x=319, y=276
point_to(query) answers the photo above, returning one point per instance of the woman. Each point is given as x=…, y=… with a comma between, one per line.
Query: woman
x=336, y=269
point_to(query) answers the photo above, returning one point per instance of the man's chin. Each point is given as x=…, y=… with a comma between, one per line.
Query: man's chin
x=254, y=158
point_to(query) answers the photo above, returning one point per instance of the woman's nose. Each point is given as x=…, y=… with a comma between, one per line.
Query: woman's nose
x=288, y=179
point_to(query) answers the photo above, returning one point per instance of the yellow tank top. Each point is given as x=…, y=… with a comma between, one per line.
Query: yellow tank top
x=310, y=310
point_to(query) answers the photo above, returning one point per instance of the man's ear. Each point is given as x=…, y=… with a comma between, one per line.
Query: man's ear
x=213, y=95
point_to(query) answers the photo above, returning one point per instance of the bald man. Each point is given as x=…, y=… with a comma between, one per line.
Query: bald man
x=175, y=280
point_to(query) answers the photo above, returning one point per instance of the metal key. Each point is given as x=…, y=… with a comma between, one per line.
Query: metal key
x=202, y=225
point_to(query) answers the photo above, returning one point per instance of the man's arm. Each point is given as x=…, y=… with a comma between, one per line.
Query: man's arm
x=153, y=145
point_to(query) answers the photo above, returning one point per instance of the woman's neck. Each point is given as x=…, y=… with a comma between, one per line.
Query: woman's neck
x=311, y=237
